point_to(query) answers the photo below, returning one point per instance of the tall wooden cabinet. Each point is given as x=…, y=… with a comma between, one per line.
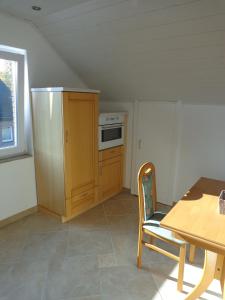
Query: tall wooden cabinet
x=66, y=155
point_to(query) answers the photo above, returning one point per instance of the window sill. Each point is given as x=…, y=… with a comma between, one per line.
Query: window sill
x=16, y=157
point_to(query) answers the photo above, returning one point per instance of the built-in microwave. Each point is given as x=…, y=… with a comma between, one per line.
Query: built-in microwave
x=111, y=130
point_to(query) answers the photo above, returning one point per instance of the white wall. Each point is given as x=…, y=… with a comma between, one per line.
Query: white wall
x=156, y=138
x=127, y=107
x=17, y=187
x=184, y=141
x=46, y=68
x=201, y=144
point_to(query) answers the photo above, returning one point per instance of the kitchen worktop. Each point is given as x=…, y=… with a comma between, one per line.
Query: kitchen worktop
x=64, y=89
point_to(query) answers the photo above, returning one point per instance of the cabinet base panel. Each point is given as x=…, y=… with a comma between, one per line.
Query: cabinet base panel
x=76, y=212
x=48, y=212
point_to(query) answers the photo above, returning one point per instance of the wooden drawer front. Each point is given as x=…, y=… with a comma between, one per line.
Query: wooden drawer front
x=84, y=199
x=110, y=178
x=82, y=190
x=110, y=153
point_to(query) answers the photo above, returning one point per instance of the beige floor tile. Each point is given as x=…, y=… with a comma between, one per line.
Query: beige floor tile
x=120, y=224
x=74, y=277
x=89, y=243
x=25, y=281
x=165, y=278
x=93, y=219
x=125, y=248
x=127, y=281
x=93, y=257
x=107, y=260
x=45, y=245
x=6, y=271
x=121, y=205
x=11, y=247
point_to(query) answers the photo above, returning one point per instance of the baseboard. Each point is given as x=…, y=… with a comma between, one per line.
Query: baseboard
x=18, y=216
x=124, y=189
x=167, y=205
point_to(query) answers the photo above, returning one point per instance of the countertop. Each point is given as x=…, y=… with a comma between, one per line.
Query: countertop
x=64, y=89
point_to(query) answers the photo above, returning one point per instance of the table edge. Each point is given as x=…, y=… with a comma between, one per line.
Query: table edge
x=193, y=237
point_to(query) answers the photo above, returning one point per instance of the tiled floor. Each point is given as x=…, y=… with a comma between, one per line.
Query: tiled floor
x=93, y=257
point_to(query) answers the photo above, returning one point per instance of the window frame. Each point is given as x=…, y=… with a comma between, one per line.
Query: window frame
x=19, y=56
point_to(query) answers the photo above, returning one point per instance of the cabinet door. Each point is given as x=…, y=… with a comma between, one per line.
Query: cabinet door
x=110, y=177
x=80, y=131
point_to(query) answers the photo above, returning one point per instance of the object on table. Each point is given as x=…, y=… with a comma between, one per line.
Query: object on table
x=222, y=202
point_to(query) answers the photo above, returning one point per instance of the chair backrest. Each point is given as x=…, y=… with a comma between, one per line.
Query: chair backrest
x=146, y=191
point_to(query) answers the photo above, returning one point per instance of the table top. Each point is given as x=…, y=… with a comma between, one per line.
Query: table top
x=196, y=216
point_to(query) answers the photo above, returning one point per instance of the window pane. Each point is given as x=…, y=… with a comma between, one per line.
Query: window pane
x=8, y=72
x=7, y=134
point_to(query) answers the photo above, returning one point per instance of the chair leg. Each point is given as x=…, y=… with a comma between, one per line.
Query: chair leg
x=192, y=253
x=181, y=268
x=140, y=248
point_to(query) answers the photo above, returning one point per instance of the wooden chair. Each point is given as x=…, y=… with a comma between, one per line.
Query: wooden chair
x=149, y=222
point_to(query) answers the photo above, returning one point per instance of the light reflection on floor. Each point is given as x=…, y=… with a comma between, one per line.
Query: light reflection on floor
x=167, y=287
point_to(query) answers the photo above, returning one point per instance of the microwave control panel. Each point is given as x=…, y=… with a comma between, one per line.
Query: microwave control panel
x=111, y=118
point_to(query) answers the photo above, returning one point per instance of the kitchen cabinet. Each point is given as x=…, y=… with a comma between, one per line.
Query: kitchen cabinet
x=110, y=172
x=65, y=147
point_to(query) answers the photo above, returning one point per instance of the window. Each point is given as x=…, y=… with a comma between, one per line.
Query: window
x=12, y=82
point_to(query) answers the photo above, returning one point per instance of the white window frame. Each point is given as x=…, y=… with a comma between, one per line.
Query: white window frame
x=18, y=55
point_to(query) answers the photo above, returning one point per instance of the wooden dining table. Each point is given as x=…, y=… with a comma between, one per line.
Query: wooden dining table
x=196, y=219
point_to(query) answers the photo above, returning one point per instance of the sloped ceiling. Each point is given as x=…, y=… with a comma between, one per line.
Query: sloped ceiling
x=137, y=49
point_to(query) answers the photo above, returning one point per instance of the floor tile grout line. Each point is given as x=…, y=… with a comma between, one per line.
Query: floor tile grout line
x=113, y=246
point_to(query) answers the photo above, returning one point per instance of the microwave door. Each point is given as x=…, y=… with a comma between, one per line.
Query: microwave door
x=111, y=136
x=111, y=133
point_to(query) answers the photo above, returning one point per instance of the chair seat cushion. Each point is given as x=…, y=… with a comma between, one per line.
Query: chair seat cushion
x=156, y=218
x=162, y=232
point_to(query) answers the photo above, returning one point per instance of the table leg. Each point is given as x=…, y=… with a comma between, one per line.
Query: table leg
x=222, y=282
x=207, y=276
x=221, y=274
x=192, y=253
